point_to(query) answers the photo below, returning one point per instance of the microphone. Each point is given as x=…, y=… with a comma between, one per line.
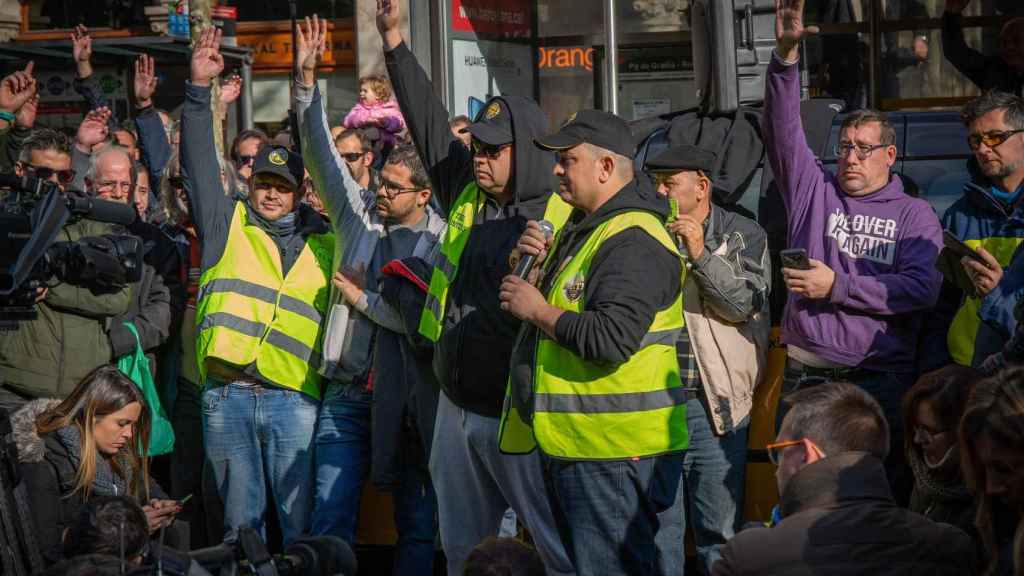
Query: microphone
x=103, y=210
x=526, y=263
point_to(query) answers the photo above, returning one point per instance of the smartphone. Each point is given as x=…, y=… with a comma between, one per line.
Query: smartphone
x=958, y=247
x=795, y=258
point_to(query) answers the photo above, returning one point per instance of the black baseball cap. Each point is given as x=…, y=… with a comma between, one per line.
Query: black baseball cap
x=279, y=160
x=601, y=129
x=493, y=124
x=685, y=157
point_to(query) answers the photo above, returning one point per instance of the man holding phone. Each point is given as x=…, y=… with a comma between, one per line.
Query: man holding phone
x=984, y=228
x=855, y=314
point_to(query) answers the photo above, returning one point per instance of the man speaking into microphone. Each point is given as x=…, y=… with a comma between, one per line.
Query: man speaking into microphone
x=594, y=378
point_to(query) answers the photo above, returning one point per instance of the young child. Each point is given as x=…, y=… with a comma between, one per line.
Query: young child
x=376, y=108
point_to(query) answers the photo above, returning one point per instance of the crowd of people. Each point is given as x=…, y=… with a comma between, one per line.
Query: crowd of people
x=491, y=321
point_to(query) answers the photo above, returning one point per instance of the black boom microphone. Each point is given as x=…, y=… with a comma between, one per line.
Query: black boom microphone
x=526, y=263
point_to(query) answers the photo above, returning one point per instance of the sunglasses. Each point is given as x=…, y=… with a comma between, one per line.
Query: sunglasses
x=245, y=160
x=491, y=151
x=991, y=139
x=43, y=173
x=353, y=156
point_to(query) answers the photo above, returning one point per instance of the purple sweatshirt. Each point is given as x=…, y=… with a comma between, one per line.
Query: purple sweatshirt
x=882, y=248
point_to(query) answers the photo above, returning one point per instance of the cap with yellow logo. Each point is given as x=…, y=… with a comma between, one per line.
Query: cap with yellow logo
x=280, y=161
x=493, y=125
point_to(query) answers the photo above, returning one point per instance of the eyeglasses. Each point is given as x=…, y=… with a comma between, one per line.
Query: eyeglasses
x=245, y=160
x=863, y=151
x=353, y=156
x=491, y=151
x=775, y=449
x=111, y=185
x=43, y=173
x=391, y=189
x=923, y=435
x=991, y=139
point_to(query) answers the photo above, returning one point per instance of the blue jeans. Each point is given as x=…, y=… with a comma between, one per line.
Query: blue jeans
x=887, y=388
x=343, y=451
x=257, y=436
x=711, y=494
x=607, y=511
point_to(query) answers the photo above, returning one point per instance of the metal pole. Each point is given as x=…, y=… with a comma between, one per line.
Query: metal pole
x=611, y=59
x=246, y=100
x=440, y=72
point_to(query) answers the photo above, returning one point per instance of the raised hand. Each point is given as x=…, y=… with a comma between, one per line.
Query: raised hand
x=789, y=28
x=81, y=44
x=387, y=23
x=207, y=61
x=17, y=88
x=312, y=44
x=25, y=117
x=230, y=89
x=93, y=129
x=145, y=81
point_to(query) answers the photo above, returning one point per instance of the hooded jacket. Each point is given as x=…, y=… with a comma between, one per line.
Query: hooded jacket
x=881, y=246
x=839, y=519
x=631, y=278
x=471, y=356
x=48, y=468
x=979, y=218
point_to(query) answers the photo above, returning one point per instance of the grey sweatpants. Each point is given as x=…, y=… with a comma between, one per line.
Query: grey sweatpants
x=475, y=484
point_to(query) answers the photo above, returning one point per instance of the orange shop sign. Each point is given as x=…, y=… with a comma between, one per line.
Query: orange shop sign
x=565, y=58
x=271, y=45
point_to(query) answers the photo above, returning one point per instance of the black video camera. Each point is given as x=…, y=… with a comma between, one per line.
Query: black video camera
x=32, y=215
x=307, y=556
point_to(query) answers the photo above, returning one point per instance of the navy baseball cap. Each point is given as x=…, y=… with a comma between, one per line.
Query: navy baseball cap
x=280, y=161
x=601, y=129
x=493, y=125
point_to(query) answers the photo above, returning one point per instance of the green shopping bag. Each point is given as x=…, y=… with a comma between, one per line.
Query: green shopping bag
x=136, y=367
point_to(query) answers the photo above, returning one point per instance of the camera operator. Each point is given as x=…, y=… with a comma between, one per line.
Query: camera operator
x=47, y=356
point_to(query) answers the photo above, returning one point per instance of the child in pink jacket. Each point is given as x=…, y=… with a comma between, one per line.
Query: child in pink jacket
x=376, y=108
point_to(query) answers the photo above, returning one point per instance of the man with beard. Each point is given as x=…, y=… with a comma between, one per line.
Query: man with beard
x=987, y=218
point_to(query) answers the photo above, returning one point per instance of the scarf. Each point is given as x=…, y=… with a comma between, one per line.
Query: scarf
x=283, y=227
x=932, y=483
x=106, y=482
x=1008, y=198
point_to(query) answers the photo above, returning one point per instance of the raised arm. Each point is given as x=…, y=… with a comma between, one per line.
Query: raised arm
x=18, y=96
x=965, y=59
x=447, y=161
x=211, y=208
x=85, y=83
x=154, y=146
x=793, y=163
x=341, y=195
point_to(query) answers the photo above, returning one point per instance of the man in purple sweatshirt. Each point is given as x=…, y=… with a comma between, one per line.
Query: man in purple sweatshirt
x=855, y=314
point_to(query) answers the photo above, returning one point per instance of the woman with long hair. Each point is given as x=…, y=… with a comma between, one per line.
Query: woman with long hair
x=992, y=456
x=931, y=413
x=90, y=444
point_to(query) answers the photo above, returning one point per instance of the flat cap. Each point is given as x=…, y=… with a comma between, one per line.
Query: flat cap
x=684, y=157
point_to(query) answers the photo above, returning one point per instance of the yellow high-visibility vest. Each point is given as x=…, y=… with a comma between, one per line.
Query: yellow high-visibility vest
x=248, y=311
x=584, y=410
x=460, y=223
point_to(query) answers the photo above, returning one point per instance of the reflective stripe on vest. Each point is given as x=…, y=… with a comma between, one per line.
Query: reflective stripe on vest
x=964, y=329
x=594, y=411
x=247, y=312
x=461, y=219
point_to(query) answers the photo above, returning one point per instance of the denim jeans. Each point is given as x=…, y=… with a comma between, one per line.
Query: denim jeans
x=257, y=436
x=710, y=496
x=607, y=511
x=343, y=451
x=887, y=388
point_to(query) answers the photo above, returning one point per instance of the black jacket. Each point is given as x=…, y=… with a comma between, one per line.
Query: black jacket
x=987, y=72
x=471, y=360
x=632, y=277
x=48, y=469
x=839, y=518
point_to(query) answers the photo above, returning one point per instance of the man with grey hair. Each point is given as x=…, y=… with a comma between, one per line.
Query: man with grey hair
x=836, y=513
x=48, y=356
x=978, y=318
